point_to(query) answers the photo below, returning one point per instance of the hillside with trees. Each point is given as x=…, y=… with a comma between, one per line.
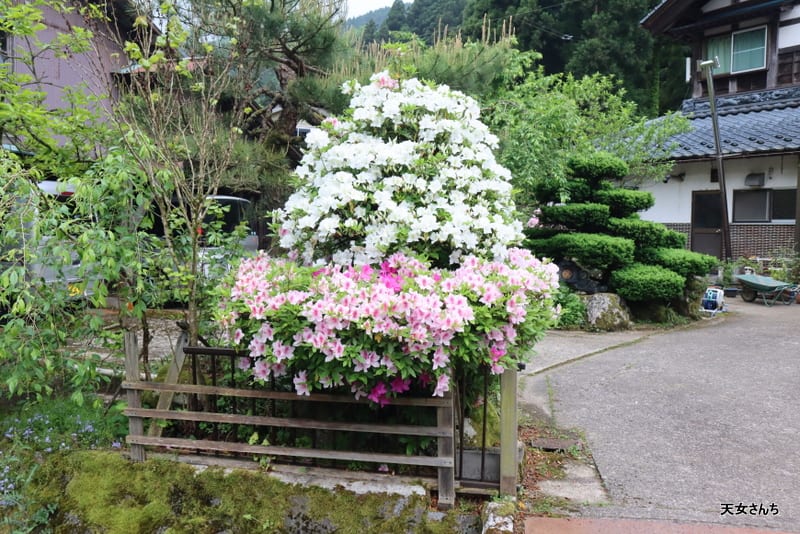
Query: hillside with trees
x=578, y=38
x=377, y=16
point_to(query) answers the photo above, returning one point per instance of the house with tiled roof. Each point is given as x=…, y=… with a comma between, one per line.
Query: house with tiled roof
x=43, y=64
x=756, y=85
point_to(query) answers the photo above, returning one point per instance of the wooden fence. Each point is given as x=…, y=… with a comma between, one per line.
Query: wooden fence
x=231, y=405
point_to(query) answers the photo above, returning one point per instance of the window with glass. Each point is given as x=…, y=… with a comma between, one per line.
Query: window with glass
x=739, y=51
x=764, y=205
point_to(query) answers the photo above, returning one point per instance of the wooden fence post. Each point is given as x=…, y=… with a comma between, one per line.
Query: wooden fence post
x=135, y=424
x=447, y=483
x=509, y=465
x=173, y=374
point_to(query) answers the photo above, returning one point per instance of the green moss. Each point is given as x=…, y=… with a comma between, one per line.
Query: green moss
x=104, y=492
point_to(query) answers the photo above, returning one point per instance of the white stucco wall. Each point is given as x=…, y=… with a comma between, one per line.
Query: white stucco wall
x=674, y=198
x=789, y=35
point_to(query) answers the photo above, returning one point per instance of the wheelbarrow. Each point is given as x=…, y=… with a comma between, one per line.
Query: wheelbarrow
x=766, y=287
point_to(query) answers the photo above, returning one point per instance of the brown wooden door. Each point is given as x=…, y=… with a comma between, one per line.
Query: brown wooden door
x=707, y=223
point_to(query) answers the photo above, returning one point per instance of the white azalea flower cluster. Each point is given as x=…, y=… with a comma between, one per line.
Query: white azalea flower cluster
x=409, y=168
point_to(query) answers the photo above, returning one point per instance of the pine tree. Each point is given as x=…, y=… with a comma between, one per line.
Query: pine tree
x=370, y=33
x=396, y=19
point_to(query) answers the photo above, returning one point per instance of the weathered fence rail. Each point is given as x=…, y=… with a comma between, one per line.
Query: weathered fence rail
x=203, y=402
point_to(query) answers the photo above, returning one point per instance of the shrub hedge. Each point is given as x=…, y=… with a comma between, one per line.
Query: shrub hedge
x=684, y=262
x=625, y=202
x=598, y=166
x=640, y=283
x=580, y=217
x=590, y=251
x=645, y=233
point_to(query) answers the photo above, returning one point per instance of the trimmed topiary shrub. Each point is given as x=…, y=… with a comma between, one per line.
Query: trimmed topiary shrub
x=625, y=202
x=580, y=217
x=591, y=251
x=673, y=239
x=684, y=262
x=597, y=166
x=641, y=283
x=643, y=233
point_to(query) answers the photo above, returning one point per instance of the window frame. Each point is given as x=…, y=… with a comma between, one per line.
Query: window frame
x=769, y=207
x=730, y=37
x=764, y=55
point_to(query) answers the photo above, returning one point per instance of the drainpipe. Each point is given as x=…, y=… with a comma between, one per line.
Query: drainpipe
x=708, y=66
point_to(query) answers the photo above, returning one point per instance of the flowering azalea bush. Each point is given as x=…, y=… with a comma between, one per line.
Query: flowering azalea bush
x=383, y=330
x=408, y=220
x=410, y=169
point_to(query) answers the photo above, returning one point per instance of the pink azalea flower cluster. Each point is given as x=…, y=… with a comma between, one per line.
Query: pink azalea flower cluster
x=387, y=329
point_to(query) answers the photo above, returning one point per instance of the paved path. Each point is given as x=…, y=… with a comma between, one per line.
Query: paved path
x=681, y=423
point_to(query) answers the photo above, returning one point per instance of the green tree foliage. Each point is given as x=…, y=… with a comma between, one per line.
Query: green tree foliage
x=531, y=23
x=53, y=250
x=593, y=37
x=544, y=121
x=370, y=33
x=478, y=69
x=610, y=41
x=196, y=125
x=396, y=18
x=431, y=18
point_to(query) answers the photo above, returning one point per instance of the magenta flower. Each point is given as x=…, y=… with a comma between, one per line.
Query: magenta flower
x=378, y=394
x=400, y=385
x=424, y=379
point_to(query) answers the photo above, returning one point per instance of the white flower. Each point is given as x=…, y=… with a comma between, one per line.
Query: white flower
x=328, y=226
x=317, y=138
x=373, y=178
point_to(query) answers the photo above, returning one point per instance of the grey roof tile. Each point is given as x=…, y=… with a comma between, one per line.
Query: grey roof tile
x=752, y=127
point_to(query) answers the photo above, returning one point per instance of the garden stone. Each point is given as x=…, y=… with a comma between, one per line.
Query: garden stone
x=607, y=312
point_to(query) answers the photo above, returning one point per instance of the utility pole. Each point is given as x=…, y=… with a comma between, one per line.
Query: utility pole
x=708, y=66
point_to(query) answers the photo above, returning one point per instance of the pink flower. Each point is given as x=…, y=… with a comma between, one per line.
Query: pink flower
x=384, y=81
x=261, y=370
x=366, y=272
x=497, y=352
x=257, y=347
x=532, y=222
x=490, y=294
x=442, y=385
x=365, y=360
x=389, y=364
x=243, y=363
x=357, y=390
x=238, y=336
x=300, y=384
x=440, y=359
x=424, y=379
x=281, y=351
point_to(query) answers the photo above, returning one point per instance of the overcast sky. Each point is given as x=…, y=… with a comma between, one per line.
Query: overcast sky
x=357, y=8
